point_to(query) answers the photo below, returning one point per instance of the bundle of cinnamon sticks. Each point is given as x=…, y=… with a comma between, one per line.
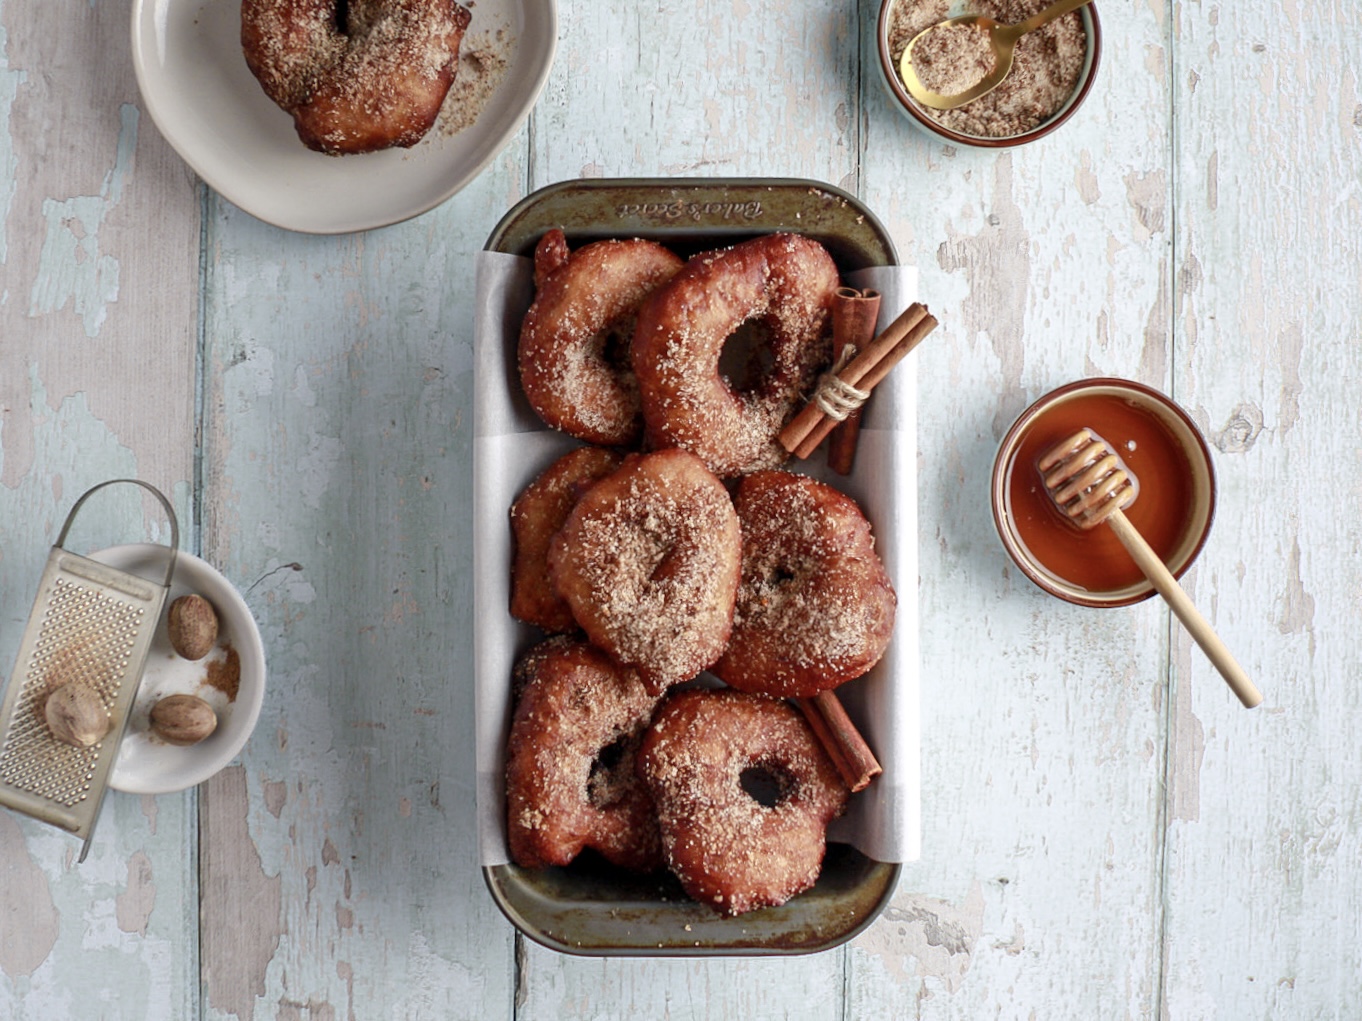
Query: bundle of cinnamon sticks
x=862, y=362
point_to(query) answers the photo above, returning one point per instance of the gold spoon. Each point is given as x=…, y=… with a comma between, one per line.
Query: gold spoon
x=998, y=42
x=1090, y=484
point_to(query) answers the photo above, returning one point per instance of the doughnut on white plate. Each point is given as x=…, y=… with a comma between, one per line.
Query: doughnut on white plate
x=146, y=764
x=205, y=101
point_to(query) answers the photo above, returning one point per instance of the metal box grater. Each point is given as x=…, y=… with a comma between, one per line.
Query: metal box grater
x=90, y=623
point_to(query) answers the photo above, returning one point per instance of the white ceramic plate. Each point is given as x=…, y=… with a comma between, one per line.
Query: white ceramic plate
x=208, y=105
x=146, y=764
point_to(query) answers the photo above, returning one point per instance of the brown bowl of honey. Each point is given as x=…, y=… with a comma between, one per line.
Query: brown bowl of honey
x=1163, y=449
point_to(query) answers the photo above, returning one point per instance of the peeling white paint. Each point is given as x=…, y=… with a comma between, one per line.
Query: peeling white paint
x=10, y=80
x=933, y=937
x=29, y=921
x=315, y=467
x=72, y=267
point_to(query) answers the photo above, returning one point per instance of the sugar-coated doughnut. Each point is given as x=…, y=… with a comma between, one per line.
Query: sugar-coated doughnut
x=356, y=75
x=573, y=353
x=536, y=515
x=744, y=794
x=783, y=285
x=816, y=606
x=648, y=560
x=571, y=781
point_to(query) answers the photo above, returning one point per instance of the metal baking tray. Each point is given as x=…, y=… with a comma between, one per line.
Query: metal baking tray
x=590, y=908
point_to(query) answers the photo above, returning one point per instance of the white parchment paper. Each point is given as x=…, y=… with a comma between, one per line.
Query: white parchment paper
x=511, y=446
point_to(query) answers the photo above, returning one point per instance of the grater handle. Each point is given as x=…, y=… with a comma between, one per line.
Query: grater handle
x=170, y=513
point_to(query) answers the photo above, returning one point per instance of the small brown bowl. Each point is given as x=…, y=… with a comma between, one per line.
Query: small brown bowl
x=1173, y=511
x=923, y=119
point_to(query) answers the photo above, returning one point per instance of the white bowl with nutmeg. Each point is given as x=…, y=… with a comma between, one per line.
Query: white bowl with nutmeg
x=204, y=680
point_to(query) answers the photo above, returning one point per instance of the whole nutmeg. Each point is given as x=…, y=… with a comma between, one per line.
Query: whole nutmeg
x=183, y=719
x=76, y=715
x=192, y=625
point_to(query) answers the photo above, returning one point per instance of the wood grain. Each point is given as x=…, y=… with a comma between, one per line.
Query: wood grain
x=1260, y=848
x=1107, y=834
x=99, y=236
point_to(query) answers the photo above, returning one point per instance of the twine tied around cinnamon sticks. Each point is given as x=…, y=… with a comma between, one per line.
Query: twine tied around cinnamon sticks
x=837, y=398
x=862, y=360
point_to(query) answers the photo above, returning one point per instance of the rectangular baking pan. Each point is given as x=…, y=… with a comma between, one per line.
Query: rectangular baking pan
x=589, y=907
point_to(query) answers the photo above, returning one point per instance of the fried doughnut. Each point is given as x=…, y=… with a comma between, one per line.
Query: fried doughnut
x=537, y=514
x=356, y=76
x=648, y=560
x=816, y=606
x=570, y=773
x=783, y=284
x=574, y=341
x=744, y=794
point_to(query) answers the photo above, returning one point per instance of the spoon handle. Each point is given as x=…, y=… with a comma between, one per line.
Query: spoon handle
x=1042, y=18
x=1197, y=626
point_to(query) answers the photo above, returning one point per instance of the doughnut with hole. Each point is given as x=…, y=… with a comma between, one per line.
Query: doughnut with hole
x=648, y=560
x=780, y=287
x=570, y=772
x=356, y=76
x=816, y=606
x=744, y=794
x=573, y=353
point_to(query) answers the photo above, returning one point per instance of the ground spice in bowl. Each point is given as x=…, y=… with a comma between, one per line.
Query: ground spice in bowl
x=953, y=58
x=1046, y=66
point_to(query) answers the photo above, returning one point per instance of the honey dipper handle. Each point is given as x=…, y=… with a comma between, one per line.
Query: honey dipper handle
x=1197, y=626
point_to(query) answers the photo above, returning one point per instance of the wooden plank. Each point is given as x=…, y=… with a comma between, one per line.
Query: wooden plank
x=1106, y=832
x=1043, y=723
x=701, y=90
x=339, y=859
x=1262, y=892
x=98, y=269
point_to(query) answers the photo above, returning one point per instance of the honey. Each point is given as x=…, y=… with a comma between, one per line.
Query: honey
x=1165, y=511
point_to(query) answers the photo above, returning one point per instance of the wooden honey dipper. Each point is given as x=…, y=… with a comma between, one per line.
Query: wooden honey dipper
x=1090, y=484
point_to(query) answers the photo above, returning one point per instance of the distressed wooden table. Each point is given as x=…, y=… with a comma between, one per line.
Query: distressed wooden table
x=1106, y=833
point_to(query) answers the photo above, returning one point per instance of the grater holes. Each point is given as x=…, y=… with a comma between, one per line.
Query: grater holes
x=64, y=777
x=85, y=636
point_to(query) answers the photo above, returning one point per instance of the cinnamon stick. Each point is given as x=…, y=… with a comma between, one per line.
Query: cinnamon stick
x=811, y=417
x=854, y=315
x=844, y=744
x=868, y=377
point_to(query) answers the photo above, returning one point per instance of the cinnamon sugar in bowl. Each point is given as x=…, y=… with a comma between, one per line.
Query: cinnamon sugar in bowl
x=1053, y=69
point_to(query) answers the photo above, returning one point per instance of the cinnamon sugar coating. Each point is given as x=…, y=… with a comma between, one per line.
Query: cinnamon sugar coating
x=537, y=514
x=734, y=850
x=648, y=560
x=573, y=352
x=570, y=776
x=816, y=606
x=374, y=82
x=780, y=287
